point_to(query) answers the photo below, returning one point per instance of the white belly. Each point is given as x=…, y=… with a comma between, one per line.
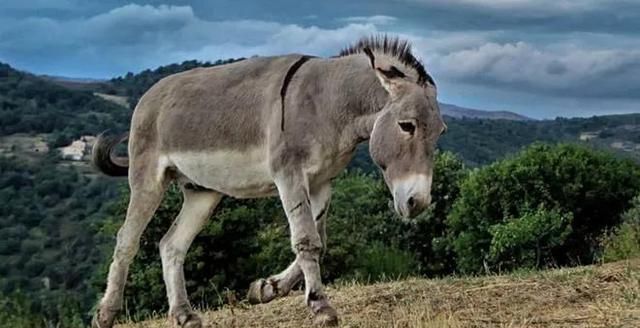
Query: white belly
x=243, y=174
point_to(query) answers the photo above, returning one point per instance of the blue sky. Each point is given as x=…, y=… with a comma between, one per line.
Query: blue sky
x=541, y=58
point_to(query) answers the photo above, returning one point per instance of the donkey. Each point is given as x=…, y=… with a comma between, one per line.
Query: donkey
x=267, y=126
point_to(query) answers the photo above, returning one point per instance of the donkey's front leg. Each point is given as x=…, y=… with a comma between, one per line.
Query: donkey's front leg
x=306, y=243
x=265, y=290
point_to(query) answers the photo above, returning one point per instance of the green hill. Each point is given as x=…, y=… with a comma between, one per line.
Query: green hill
x=30, y=104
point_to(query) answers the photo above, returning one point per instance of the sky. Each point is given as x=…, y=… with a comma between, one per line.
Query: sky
x=540, y=58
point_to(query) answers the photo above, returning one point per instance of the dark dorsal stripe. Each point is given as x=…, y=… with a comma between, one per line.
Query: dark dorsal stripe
x=372, y=58
x=287, y=79
x=393, y=72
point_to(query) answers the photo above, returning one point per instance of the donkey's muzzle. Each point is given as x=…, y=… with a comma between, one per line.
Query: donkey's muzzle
x=414, y=205
x=412, y=195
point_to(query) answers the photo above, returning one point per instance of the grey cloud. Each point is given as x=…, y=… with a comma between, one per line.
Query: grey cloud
x=548, y=16
x=135, y=37
x=375, y=19
x=559, y=72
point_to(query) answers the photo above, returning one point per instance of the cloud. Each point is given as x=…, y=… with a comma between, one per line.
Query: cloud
x=537, y=6
x=134, y=37
x=549, y=16
x=39, y=4
x=560, y=71
x=375, y=20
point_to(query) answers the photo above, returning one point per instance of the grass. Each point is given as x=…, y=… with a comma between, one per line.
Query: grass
x=605, y=295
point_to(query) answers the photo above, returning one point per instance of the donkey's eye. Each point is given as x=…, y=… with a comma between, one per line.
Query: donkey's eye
x=408, y=127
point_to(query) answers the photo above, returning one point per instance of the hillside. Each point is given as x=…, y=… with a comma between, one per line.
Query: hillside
x=462, y=112
x=31, y=104
x=593, y=296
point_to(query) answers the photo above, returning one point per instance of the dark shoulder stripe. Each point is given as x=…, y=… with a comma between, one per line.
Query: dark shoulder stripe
x=287, y=79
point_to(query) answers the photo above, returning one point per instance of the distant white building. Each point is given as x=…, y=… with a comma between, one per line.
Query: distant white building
x=78, y=149
x=586, y=136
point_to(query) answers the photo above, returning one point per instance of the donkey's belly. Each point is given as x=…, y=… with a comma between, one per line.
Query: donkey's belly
x=238, y=174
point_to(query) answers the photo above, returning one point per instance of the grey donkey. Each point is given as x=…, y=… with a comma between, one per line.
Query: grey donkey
x=270, y=126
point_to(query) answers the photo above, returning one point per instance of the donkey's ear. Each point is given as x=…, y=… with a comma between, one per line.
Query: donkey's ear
x=390, y=79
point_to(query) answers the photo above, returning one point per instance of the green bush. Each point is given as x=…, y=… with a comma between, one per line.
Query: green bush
x=18, y=310
x=589, y=186
x=528, y=240
x=623, y=242
x=379, y=262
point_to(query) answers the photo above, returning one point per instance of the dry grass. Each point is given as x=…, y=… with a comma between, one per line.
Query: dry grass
x=593, y=296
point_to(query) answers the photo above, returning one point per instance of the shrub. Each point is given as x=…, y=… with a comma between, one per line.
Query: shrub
x=591, y=187
x=528, y=240
x=623, y=242
x=379, y=262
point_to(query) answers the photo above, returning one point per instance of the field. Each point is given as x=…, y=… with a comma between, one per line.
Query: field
x=592, y=296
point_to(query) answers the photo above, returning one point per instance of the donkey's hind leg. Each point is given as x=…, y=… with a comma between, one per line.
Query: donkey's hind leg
x=147, y=190
x=196, y=209
x=265, y=290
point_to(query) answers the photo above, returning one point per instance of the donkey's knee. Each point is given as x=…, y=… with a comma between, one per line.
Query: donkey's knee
x=169, y=253
x=126, y=248
x=310, y=245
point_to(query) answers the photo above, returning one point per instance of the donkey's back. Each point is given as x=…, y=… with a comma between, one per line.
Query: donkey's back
x=221, y=107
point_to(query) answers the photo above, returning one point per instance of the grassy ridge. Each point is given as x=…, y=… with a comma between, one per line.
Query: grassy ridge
x=593, y=296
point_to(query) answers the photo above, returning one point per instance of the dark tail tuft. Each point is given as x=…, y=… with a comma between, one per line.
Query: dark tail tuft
x=103, y=158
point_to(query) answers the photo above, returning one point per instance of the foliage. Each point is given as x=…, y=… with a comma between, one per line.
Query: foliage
x=378, y=262
x=47, y=243
x=623, y=242
x=41, y=216
x=51, y=310
x=481, y=142
x=525, y=241
x=569, y=181
x=29, y=104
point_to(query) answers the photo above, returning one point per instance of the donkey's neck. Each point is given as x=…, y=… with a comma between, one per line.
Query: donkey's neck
x=361, y=97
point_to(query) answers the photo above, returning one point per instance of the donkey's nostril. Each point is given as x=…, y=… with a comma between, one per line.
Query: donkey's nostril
x=411, y=202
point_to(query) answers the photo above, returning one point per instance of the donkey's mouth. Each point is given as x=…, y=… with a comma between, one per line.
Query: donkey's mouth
x=402, y=211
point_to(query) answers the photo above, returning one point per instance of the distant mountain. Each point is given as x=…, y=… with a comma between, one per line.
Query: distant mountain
x=462, y=112
x=76, y=83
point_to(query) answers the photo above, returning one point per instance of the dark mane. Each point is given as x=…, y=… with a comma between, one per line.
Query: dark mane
x=392, y=46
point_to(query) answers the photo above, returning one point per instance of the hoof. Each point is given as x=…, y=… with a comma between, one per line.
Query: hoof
x=103, y=318
x=326, y=317
x=187, y=320
x=262, y=291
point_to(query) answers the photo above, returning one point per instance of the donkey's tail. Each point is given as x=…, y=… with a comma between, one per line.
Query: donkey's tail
x=104, y=159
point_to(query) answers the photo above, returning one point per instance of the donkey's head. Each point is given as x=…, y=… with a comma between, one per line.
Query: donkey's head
x=404, y=136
